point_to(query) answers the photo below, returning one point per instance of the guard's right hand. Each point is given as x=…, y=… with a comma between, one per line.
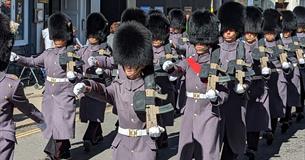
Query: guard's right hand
x=79, y=88
x=92, y=61
x=167, y=65
x=266, y=71
x=285, y=65
x=240, y=89
x=14, y=57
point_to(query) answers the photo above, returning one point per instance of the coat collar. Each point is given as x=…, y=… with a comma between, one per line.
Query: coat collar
x=228, y=46
x=130, y=85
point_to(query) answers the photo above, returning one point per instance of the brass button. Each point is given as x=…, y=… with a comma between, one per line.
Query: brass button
x=132, y=151
x=195, y=115
x=9, y=85
x=52, y=95
x=131, y=104
x=5, y=97
x=132, y=120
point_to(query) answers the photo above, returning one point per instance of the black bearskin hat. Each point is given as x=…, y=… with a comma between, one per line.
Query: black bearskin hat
x=299, y=12
x=203, y=27
x=177, y=19
x=231, y=16
x=60, y=27
x=289, y=21
x=6, y=41
x=132, y=45
x=253, y=20
x=96, y=25
x=134, y=14
x=272, y=21
x=158, y=24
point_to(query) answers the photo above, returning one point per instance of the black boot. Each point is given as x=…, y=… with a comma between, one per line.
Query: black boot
x=284, y=127
x=269, y=137
x=251, y=154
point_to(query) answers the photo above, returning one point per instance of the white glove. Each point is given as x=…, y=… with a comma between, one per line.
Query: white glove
x=155, y=131
x=99, y=71
x=301, y=61
x=92, y=61
x=172, y=78
x=167, y=65
x=42, y=126
x=14, y=57
x=212, y=95
x=266, y=71
x=285, y=65
x=239, y=89
x=71, y=75
x=79, y=88
x=170, y=41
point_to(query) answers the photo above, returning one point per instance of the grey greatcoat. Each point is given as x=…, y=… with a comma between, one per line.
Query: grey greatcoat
x=234, y=109
x=120, y=94
x=12, y=95
x=90, y=109
x=167, y=87
x=294, y=83
x=58, y=103
x=277, y=91
x=258, y=104
x=200, y=126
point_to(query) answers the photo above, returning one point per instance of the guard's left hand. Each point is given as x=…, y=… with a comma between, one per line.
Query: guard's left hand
x=155, y=131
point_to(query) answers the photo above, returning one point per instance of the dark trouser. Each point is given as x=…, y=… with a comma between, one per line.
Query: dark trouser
x=93, y=132
x=227, y=153
x=58, y=149
x=162, y=141
x=287, y=115
x=252, y=140
x=273, y=124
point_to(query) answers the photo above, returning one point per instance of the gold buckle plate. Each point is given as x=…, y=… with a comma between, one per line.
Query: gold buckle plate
x=53, y=80
x=196, y=95
x=132, y=133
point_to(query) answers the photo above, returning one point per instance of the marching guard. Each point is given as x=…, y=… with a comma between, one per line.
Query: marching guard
x=93, y=110
x=58, y=104
x=258, y=104
x=295, y=57
x=234, y=61
x=200, y=128
x=11, y=95
x=133, y=93
x=299, y=12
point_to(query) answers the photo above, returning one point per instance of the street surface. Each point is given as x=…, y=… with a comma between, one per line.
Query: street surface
x=289, y=146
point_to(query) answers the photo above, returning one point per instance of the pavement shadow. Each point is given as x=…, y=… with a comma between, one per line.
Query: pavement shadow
x=172, y=149
x=266, y=152
x=78, y=153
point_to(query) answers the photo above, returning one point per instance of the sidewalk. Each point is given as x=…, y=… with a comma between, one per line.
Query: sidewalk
x=35, y=97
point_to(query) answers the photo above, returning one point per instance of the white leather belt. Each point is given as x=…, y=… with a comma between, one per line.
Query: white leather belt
x=57, y=80
x=133, y=132
x=196, y=95
x=91, y=76
x=257, y=77
x=275, y=70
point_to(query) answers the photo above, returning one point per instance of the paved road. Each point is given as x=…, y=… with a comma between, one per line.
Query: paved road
x=290, y=146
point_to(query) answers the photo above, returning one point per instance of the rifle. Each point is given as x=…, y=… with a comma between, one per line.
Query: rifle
x=283, y=54
x=213, y=79
x=70, y=59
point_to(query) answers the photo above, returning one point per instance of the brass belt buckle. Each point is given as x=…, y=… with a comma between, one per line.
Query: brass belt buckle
x=53, y=80
x=196, y=95
x=132, y=133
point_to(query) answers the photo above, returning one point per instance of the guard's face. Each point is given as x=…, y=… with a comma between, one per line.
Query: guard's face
x=270, y=36
x=229, y=35
x=301, y=29
x=93, y=40
x=201, y=48
x=157, y=43
x=250, y=37
x=175, y=30
x=287, y=34
x=132, y=72
x=58, y=43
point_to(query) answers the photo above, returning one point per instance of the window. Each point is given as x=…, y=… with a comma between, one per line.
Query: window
x=302, y=2
x=17, y=11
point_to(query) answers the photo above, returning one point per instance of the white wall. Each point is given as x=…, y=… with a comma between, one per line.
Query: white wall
x=292, y=4
x=95, y=5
